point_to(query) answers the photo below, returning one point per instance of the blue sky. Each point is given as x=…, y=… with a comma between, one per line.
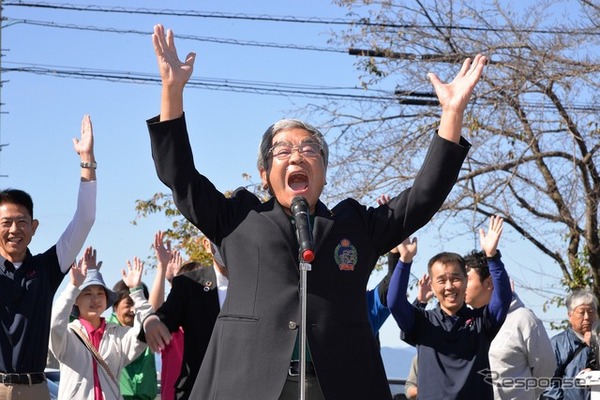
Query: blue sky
x=41, y=113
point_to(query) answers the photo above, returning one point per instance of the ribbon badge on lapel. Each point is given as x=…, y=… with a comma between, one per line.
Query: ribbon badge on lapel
x=346, y=256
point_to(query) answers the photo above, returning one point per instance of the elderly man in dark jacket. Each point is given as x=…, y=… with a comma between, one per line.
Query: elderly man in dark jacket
x=251, y=353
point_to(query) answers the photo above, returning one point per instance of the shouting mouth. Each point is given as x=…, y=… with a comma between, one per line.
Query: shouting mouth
x=298, y=181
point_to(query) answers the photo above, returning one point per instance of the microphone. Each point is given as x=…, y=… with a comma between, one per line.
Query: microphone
x=301, y=216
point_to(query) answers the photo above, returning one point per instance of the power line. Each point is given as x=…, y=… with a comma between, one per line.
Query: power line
x=291, y=19
x=266, y=88
x=262, y=88
x=13, y=21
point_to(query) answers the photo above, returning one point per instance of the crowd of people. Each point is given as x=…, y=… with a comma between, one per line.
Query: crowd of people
x=230, y=330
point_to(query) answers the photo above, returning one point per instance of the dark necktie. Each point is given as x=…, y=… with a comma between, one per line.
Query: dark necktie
x=9, y=266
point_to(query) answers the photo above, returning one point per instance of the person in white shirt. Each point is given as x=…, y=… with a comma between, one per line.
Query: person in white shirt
x=91, y=351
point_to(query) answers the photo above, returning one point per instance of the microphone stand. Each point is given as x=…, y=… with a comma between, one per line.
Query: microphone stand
x=304, y=268
x=300, y=211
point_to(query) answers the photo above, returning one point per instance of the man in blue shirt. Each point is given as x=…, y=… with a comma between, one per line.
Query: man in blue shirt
x=452, y=340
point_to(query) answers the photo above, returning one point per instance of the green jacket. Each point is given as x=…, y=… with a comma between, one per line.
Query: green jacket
x=138, y=379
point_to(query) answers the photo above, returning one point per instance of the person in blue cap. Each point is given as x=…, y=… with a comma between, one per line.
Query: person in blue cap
x=91, y=351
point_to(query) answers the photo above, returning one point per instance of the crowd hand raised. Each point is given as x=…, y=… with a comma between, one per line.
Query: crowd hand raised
x=85, y=145
x=157, y=334
x=163, y=253
x=89, y=258
x=424, y=292
x=383, y=199
x=173, y=72
x=489, y=241
x=454, y=96
x=78, y=273
x=174, y=265
x=407, y=250
x=133, y=276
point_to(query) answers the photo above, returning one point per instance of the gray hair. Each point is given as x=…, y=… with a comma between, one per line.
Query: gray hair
x=266, y=142
x=581, y=297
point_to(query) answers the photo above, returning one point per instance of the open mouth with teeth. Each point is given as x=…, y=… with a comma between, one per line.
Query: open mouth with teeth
x=451, y=297
x=298, y=181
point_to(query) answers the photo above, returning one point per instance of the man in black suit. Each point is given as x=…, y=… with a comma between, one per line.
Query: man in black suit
x=193, y=304
x=251, y=352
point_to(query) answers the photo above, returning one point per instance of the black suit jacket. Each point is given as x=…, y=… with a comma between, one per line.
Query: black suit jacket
x=193, y=304
x=250, y=349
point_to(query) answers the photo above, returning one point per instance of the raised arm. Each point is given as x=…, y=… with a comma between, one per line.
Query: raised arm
x=61, y=311
x=132, y=276
x=133, y=279
x=455, y=96
x=71, y=241
x=377, y=297
x=84, y=147
x=414, y=207
x=131, y=347
x=401, y=309
x=502, y=293
x=163, y=255
x=174, y=73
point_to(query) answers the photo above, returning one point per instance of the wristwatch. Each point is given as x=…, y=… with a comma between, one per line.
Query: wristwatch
x=92, y=164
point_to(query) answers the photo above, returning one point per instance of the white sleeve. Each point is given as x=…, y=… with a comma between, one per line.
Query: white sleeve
x=132, y=347
x=61, y=310
x=71, y=241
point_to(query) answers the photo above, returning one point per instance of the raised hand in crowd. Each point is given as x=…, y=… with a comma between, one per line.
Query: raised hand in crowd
x=424, y=292
x=383, y=199
x=84, y=146
x=79, y=268
x=168, y=263
x=174, y=265
x=78, y=272
x=162, y=249
x=489, y=241
x=407, y=250
x=132, y=276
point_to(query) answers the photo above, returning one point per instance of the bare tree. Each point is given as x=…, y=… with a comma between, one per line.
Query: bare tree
x=533, y=122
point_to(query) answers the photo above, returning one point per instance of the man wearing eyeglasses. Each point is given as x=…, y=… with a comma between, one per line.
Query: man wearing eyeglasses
x=251, y=354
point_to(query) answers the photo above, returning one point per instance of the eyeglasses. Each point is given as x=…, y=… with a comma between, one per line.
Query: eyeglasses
x=284, y=150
